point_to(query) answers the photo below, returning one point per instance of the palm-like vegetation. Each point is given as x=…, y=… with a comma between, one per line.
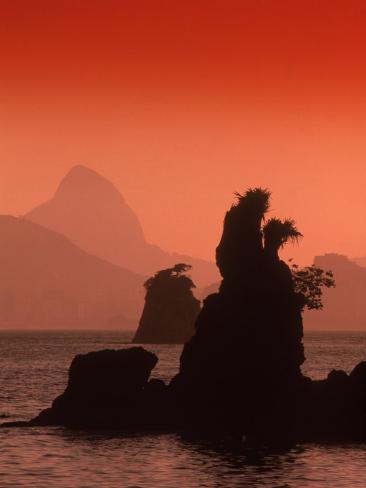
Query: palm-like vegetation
x=278, y=232
x=257, y=199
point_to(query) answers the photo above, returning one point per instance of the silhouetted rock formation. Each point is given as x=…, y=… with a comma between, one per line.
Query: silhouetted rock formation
x=334, y=409
x=108, y=388
x=344, y=306
x=170, y=308
x=48, y=282
x=91, y=212
x=241, y=370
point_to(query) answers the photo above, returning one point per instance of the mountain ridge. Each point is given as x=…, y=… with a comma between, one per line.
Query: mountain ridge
x=89, y=210
x=361, y=261
x=48, y=282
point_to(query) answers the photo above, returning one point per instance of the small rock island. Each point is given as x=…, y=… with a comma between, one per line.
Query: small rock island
x=240, y=374
x=170, y=309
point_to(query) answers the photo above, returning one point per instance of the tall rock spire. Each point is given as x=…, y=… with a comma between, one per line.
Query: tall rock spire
x=242, y=367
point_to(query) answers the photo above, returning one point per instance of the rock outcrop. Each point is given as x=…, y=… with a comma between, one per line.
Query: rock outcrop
x=107, y=389
x=241, y=370
x=334, y=409
x=240, y=373
x=170, y=308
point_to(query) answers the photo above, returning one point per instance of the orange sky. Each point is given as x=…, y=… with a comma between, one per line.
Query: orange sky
x=180, y=103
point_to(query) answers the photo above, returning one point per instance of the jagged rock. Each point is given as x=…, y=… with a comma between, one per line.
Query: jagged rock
x=170, y=308
x=107, y=388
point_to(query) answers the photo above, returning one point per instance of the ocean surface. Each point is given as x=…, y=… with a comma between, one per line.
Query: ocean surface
x=33, y=370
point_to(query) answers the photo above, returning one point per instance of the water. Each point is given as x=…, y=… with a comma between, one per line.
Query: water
x=33, y=370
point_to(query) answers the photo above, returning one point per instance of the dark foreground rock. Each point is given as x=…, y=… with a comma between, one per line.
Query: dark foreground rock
x=109, y=388
x=240, y=374
x=334, y=409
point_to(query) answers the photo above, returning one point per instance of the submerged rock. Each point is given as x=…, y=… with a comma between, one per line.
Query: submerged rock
x=170, y=308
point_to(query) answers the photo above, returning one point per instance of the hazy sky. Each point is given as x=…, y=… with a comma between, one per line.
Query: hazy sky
x=181, y=103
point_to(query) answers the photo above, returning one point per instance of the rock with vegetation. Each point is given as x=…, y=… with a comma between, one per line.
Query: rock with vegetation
x=170, y=308
x=241, y=370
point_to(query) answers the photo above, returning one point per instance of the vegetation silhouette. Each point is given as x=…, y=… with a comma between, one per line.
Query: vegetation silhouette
x=170, y=308
x=277, y=233
x=309, y=281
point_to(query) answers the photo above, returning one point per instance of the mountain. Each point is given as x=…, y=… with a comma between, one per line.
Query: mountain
x=91, y=212
x=344, y=305
x=360, y=261
x=202, y=293
x=48, y=282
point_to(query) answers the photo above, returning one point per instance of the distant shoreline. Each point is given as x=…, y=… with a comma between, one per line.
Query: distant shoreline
x=132, y=331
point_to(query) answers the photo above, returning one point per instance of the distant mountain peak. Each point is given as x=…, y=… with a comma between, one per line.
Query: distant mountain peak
x=79, y=171
x=81, y=180
x=81, y=168
x=361, y=261
x=91, y=212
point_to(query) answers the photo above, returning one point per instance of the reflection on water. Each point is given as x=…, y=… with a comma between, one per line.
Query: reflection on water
x=57, y=457
x=33, y=370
